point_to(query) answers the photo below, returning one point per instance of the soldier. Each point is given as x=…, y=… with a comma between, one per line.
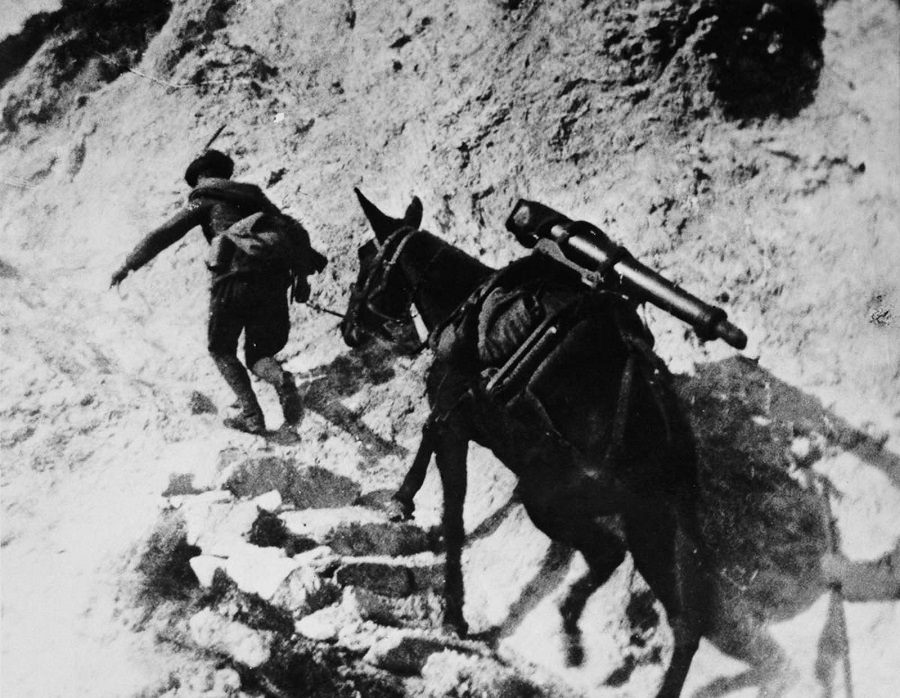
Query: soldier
x=256, y=254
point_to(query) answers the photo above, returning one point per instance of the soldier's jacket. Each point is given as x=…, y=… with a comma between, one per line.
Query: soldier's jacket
x=214, y=205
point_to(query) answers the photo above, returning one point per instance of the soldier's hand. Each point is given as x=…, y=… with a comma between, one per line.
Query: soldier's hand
x=301, y=290
x=119, y=276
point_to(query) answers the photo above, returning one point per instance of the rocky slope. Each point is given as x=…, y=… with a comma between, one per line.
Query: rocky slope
x=747, y=151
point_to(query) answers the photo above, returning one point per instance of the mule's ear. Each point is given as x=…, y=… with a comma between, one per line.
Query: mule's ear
x=413, y=215
x=382, y=224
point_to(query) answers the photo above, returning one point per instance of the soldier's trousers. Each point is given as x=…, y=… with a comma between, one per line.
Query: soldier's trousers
x=254, y=304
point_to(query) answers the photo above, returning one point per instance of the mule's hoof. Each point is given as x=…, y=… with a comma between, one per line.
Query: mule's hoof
x=574, y=653
x=458, y=628
x=399, y=510
x=291, y=406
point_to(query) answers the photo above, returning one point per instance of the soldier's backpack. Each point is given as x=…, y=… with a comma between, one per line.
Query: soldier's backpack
x=275, y=241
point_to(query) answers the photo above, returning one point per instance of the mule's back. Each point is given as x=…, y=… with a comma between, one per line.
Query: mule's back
x=549, y=355
x=604, y=391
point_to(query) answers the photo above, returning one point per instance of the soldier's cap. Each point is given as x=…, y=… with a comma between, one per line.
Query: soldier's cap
x=211, y=162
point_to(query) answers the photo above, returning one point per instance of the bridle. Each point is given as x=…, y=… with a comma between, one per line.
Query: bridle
x=388, y=326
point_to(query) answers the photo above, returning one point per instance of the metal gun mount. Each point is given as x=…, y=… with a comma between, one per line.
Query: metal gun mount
x=590, y=248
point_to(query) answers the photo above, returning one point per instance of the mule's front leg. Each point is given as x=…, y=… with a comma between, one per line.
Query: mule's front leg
x=401, y=506
x=450, y=453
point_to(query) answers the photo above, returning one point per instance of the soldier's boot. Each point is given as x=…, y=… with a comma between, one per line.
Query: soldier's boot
x=250, y=418
x=269, y=370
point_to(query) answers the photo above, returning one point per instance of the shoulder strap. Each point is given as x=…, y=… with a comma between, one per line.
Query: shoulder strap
x=247, y=196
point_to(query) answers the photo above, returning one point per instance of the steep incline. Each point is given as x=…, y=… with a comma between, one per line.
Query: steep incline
x=783, y=206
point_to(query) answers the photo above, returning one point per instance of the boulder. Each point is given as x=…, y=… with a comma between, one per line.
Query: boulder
x=256, y=476
x=217, y=525
x=318, y=488
x=377, y=538
x=321, y=524
x=226, y=682
x=270, y=501
x=419, y=610
x=303, y=487
x=445, y=673
x=259, y=571
x=392, y=576
x=303, y=591
x=322, y=626
x=342, y=626
x=205, y=567
x=381, y=575
x=405, y=652
x=247, y=646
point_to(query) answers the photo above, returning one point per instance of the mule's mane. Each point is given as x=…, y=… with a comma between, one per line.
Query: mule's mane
x=440, y=275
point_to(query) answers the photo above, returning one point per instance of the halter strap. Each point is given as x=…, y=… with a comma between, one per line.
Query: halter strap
x=392, y=261
x=387, y=259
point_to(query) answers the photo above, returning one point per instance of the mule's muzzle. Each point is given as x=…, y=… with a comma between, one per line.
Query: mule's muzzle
x=353, y=335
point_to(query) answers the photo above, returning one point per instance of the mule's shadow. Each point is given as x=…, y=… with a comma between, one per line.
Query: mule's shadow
x=322, y=388
x=762, y=515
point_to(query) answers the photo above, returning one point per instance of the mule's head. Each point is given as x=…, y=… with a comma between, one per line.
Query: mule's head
x=380, y=298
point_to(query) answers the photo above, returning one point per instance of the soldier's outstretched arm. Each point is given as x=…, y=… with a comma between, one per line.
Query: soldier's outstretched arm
x=159, y=239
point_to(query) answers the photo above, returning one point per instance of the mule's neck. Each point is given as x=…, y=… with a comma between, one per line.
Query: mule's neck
x=440, y=275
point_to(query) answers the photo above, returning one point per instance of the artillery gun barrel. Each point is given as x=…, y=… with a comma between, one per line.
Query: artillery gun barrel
x=590, y=248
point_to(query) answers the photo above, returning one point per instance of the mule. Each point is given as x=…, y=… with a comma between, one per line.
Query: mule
x=625, y=447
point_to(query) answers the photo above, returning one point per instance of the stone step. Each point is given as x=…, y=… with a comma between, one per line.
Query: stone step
x=213, y=632
x=293, y=584
x=303, y=592
x=300, y=486
x=388, y=538
x=417, y=610
x=392, y=576
x=407, y=651
x=259, y=571
x=319, y=523
x=444, y=672
x=217, y=523
x=356, y=531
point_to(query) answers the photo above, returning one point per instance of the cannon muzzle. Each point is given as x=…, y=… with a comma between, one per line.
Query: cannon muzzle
x=589, y=247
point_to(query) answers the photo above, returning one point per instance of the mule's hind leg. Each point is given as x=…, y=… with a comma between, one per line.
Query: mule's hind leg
x=603, y=553
x=770, y=670
x=566, y=511
x=664, y=541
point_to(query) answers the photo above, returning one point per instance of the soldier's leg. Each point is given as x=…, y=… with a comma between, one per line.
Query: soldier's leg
x=267, y=334
x=269, y=370
x=223, y=329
